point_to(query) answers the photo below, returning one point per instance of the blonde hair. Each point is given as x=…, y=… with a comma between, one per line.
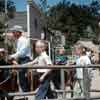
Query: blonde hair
x=42, y=43
x=62, y=49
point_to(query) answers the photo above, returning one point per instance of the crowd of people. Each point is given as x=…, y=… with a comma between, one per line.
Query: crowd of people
x=45, y=76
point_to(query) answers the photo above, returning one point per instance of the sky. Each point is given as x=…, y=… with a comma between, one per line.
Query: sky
x=21, y=4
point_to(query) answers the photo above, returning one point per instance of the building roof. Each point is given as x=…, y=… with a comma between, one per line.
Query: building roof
x=89, y=44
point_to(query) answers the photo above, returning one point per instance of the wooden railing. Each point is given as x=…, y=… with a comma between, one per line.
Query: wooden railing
x=86, y=91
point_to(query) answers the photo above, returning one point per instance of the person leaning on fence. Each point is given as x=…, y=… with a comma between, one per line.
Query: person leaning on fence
x=5, y=74
x=45, y=74
x=61, y=59
x=82, y=60
x=22, y=54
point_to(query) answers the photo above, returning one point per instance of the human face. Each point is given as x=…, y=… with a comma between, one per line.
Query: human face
x=2, y=55
x=77, y=51
x=16, y=34
x=61, y=51
x=38, y=49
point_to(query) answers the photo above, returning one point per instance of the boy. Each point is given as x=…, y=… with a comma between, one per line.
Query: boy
x=61, y=58
x=43, y=60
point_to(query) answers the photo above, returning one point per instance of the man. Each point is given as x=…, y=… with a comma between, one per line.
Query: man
x=22, y=55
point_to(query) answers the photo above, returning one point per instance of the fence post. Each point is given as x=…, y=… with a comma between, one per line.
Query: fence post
x=63, y=83
x=86, y=83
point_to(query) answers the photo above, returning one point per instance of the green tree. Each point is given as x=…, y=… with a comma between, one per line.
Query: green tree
x=44, y=4
x=5, y=16
x=74, y=19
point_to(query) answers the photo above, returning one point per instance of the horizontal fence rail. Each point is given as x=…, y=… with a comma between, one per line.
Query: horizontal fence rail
x=63, y=91
x=92, y=98
x=18, y=94
x=30, y=66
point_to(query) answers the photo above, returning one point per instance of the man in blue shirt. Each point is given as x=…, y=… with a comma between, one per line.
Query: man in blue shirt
x=22, y=54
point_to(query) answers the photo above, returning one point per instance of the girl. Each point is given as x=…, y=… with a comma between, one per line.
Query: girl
x=82, y=60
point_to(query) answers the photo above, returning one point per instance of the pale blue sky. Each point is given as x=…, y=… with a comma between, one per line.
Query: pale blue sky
x=21, y=4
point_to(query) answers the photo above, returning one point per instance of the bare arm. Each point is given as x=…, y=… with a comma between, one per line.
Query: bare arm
x=45, y=75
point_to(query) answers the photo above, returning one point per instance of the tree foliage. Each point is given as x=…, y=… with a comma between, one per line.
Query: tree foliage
x=7, y=14
x=74, y=20
x=10, y=8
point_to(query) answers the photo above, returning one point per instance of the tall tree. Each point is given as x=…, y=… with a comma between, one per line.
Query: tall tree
x=44, y=4
x=10, y=7
x=74, y=19
x=6, y=14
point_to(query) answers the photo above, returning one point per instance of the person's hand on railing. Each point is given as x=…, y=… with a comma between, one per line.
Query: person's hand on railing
x=14, y=62
x=70, y=63
x=32, y=63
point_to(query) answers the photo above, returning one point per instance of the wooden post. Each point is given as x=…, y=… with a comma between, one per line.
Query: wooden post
x=63, y=83
x=86, y=84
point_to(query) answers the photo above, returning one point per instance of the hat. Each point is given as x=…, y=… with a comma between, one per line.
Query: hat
x=17, y=28
x=2, y=50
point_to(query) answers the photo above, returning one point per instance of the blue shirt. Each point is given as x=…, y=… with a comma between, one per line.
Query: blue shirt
x=22, y=48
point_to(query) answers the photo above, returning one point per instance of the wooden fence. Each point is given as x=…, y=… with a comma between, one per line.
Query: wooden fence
x=86, y=91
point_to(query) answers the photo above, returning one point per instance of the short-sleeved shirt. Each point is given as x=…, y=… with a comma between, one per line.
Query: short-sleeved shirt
x=22, y=48
x=61, y=60
x=43, y=60
x=83, y=60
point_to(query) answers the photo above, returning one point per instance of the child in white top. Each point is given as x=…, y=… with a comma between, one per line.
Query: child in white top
x=42, y=60
x=82, y=60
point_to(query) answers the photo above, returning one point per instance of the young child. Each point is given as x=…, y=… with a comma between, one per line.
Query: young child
x=61, y=58
x=43, y=60
x=82, y=60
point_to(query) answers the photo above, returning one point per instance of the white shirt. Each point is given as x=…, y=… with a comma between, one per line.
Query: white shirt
x=22, y=48
x=88, y=54
x=43, y=60
x=82, y=61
